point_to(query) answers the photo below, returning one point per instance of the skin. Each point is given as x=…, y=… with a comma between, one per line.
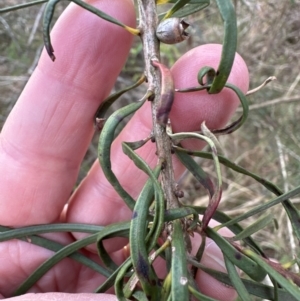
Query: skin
x=45, y=137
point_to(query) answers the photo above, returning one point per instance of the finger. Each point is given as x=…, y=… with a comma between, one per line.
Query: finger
x=64, y=297
x=95, y=201
x=48, y=132
x=213, y=258
x=21, y=258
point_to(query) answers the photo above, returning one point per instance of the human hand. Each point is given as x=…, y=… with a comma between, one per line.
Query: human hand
x=48, y=132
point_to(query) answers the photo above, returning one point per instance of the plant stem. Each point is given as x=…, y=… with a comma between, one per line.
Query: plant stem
x=148, y=23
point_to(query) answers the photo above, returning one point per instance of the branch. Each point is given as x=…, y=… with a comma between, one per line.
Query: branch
x=276, y=101
x=148, y=24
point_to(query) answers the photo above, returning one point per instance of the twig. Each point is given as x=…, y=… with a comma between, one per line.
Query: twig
x=286, y=188
x=275, y=101
x=268, y=80
x=293, y=86
x=36, y=24
x=148, y=23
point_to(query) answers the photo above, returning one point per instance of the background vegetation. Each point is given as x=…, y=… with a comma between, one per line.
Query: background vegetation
x=268, y=144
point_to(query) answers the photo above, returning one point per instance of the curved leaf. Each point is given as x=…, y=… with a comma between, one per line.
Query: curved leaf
x=239, y=122
x=106, y=104
x=138, y=247
x=48, y=14
x=57, y=257
x=120, y=280
x=227, y=11
x=110, y=281
x=215, y=199
x=114, y=230
x=160, y=204
x=242, y=97
x=104, y=146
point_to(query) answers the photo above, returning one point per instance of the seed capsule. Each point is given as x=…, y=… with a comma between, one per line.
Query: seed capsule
x=172, y=31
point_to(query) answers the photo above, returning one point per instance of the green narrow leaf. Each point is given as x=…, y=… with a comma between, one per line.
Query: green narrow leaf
x=285, y=283
x=20, y=6
x=56, y=258
x=178, y=5
x=157, y=219
x=242, y=97
x=262, y=222
x=48, y=14
x=132, y=282
x=104, y=146
x=138, y=247
x=159, y=2
x=138, y=230
x=210, y=74
x=239, y=122
x=55, y=247
x=191, y=8
x=246, y=264
x=179, y=213
x=120, y=280
x=137, y=144
x=193, y=89
x=235, y=228
x=106, y=104
x=196, y=2
x=254, y=288
x=292, y=212
x=215, y=199
x=168, y=258
x=226, y=162
x=227, y=12
x=199, y=254
x=200, y=296
x=143, y=205
x=114, y=230
x=140, y=296
x=160, y=204
x=196, y=171
x=166, y=288
x=263, y=207
x=110, y=281
x=179, y=288
x=236, y=280
x=48, y=228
